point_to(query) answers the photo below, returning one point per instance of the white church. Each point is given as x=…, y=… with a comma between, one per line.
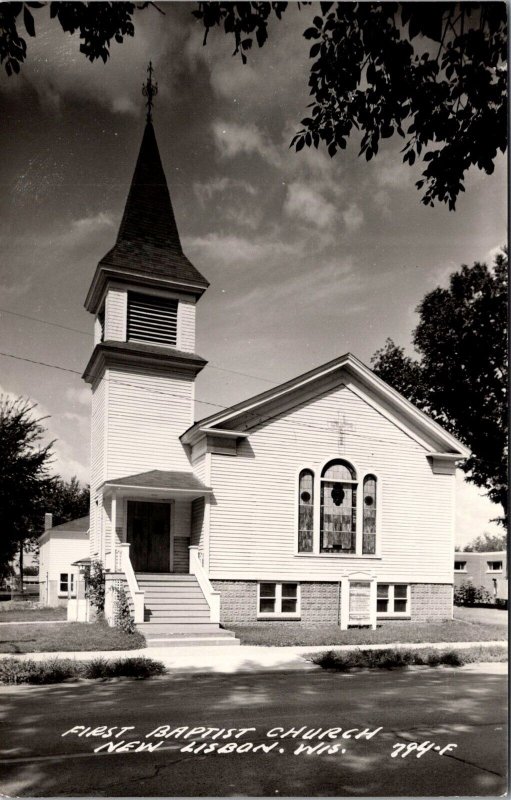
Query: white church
x=327, y=499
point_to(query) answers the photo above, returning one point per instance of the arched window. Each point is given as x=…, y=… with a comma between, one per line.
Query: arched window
x=369, y=516
x=305, y=510
x=338, y=507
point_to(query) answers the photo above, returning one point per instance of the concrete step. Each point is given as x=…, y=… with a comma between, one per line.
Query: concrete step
x=151, y=628
x=178, y=619
x=173, y=602
x=170, y=577
x=193, y=641
x=170, y=591
x=219, y=633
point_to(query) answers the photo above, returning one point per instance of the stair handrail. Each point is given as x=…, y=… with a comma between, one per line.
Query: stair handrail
x=137, y=594
x=212, y=596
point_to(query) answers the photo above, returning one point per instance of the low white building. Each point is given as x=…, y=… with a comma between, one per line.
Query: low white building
x=59, y=547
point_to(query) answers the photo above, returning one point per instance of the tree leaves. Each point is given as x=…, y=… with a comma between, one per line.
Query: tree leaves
x=96, y=23
x=437, y=69
x=460, y=377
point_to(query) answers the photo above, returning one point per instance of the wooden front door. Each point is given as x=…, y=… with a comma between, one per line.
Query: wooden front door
x=149, y=536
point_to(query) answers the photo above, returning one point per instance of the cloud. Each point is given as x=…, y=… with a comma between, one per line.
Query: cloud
x=11, y=291
x=492, y=254
x=232, y=139
x=81, y=396
x=309, y=205
x=55, y=69
x=334, y=278
x=353, y=217
x=233, y=249
x=206, y=191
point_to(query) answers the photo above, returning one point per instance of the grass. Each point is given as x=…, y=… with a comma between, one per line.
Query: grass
x=392, y=657
x=67, y=636
x=18, y=612
x=288, y=634
x=15, y=671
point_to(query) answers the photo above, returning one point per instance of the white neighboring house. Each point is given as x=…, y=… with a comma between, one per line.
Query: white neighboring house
x=59, y=547
x=327, y=499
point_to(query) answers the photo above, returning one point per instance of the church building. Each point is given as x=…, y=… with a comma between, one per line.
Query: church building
x=327, y=499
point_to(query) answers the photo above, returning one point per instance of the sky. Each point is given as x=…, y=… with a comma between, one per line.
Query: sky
x=308, y=257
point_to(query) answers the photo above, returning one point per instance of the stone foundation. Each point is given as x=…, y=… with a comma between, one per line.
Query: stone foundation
x=320, y=603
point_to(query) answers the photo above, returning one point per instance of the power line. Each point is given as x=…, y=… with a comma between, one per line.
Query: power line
x=252, y=414
x=236, y=372
x=90, y=335
x=45, y=322
x=122, y=383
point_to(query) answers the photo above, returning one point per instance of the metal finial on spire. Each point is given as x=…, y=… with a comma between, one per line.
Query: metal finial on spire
x=149, y=90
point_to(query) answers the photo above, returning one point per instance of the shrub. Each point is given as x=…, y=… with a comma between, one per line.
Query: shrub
x=15, y=671
x=95, y=585
x=391, y=658
x=469, y=595
x=123, y=618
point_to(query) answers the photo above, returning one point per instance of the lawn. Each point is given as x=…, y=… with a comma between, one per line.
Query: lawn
x=289, y=634
x=68, y=636
x=20, y=614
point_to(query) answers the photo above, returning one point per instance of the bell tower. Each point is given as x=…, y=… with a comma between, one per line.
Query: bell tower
x=142, y=370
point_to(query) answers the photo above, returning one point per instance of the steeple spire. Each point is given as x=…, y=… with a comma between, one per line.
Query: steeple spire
x=150, y=90
x=148, y=242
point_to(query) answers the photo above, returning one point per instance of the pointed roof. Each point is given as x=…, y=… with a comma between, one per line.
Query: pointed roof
x=148, y=243
x=389, y=402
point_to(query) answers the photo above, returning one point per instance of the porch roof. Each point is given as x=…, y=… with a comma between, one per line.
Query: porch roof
x=181, y=483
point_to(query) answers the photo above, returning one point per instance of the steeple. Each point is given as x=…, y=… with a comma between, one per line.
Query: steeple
x=148, y=242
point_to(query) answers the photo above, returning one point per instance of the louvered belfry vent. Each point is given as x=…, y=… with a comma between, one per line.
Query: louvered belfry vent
x=152, y=319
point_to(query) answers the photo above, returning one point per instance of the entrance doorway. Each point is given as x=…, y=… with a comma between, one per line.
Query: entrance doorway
x=148, y=532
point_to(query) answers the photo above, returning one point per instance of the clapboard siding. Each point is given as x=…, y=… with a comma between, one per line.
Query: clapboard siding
x=98, y=435
x=180, y=553
x=62, y=549
x=147, y=412
x=197, y=525
x=186, y=325
x=116, y=306
x=252, y=526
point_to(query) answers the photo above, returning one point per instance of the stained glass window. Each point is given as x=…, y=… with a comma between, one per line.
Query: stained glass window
x=338, y=508
x=369, y=516
x=305, y=510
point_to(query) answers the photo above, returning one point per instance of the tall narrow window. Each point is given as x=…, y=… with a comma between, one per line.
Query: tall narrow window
x=369, y=516
x=338, y=508
x=305, y=510
x=152, y=319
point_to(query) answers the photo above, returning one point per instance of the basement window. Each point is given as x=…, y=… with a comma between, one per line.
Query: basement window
x=460, y=566
x=152, y=319
x=278, y=599
x=393, y=600
x=494, y=566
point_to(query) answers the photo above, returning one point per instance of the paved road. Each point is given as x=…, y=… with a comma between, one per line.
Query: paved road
x=442, y=706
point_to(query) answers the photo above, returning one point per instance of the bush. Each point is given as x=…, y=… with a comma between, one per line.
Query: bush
x=16, y=671
x=392, y=658
x=95, y=585
x=123, y=618
x=469, y=595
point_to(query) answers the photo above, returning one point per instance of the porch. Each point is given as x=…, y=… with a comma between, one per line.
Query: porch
x=147, y=546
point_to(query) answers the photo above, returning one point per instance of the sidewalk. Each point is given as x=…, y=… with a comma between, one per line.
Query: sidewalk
x=244, y=658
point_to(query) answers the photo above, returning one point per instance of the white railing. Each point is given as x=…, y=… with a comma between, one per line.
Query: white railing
x=211, y=595
x=137, y=595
